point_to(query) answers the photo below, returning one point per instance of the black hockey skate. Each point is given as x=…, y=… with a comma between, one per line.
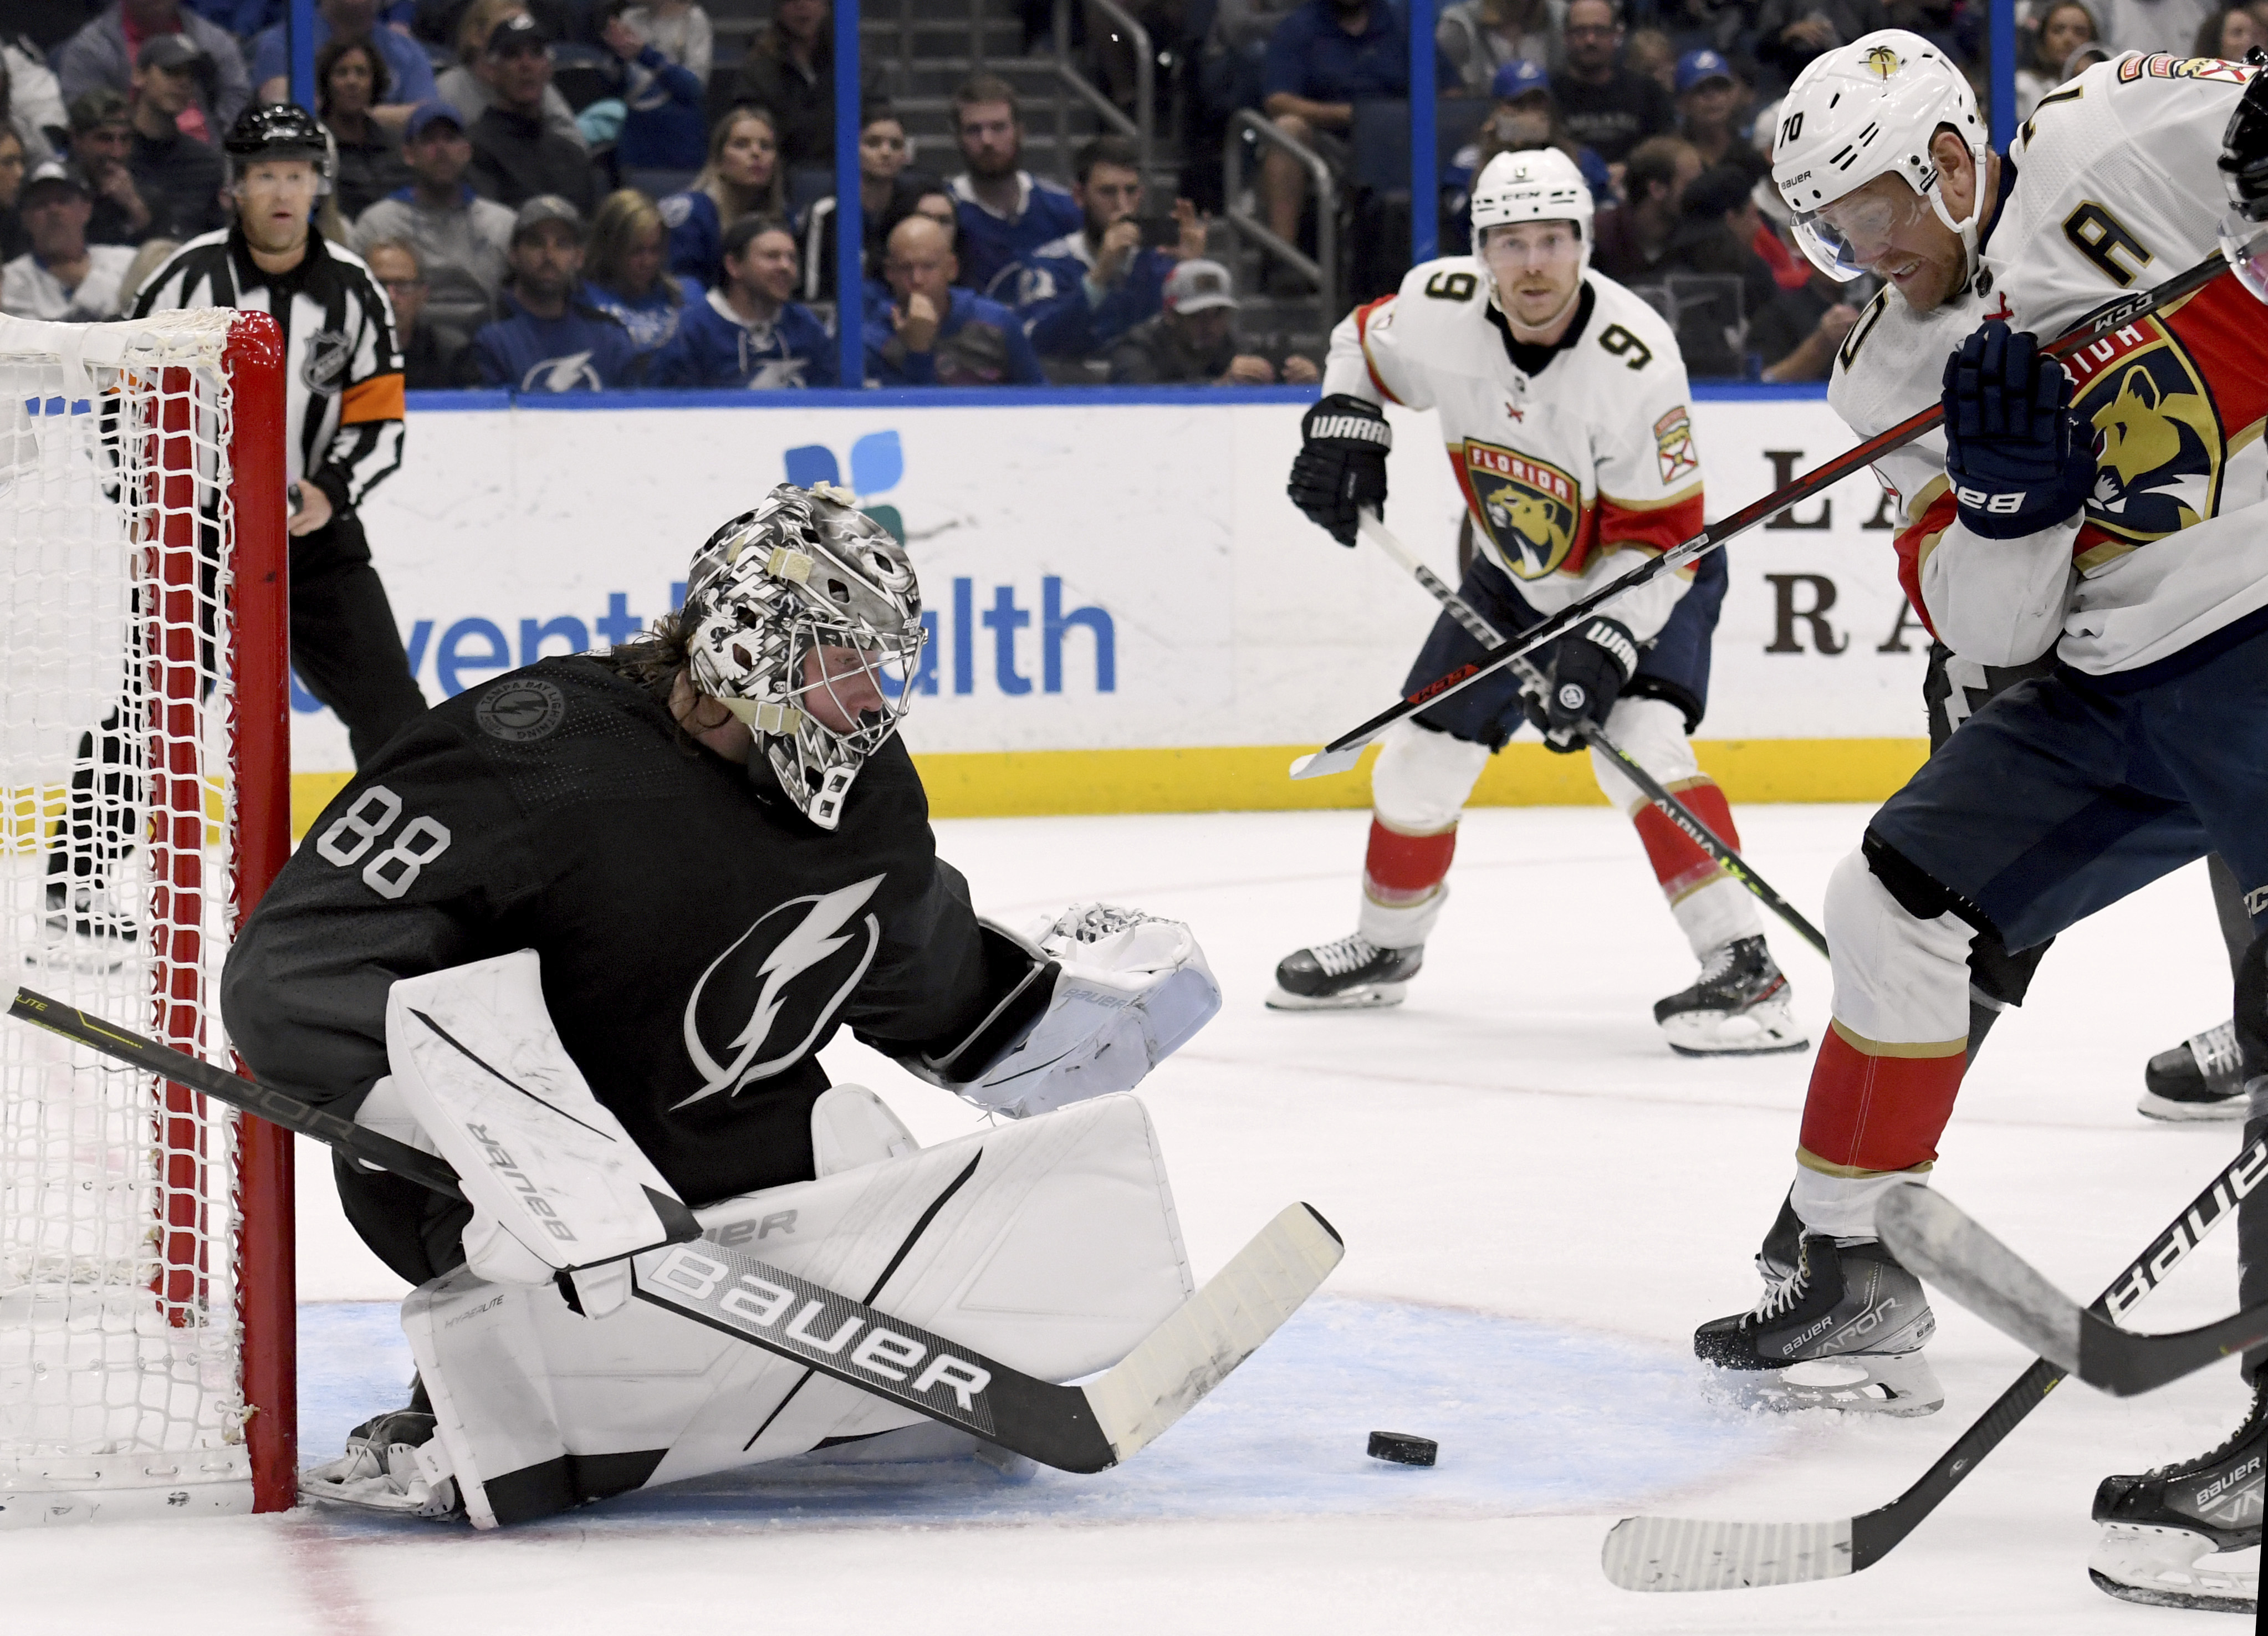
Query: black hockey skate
x=1843, y=1331
x=393, y=1463
x=2202, y=1077
x=83, y=929
x=1738, y=1007
x=1353, y=974
x=2188, y=1536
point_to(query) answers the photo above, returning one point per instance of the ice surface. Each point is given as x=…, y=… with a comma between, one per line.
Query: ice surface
x=1539, y=1203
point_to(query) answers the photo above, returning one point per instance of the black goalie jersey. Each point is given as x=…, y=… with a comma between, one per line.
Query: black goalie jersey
x=701, y=941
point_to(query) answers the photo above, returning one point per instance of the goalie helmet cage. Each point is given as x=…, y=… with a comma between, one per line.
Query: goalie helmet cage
x=146, y=1299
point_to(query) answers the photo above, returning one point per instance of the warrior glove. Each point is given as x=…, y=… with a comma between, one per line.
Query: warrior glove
x=1342, y=466
x=2019, y=457
x=1589, y=669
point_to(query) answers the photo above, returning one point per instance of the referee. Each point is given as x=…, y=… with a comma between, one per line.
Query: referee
x=343, y=407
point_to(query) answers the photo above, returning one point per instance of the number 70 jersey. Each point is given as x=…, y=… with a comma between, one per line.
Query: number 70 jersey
x=1590, y=455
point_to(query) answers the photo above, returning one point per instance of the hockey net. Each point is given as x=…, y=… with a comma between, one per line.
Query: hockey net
x=145, y=1299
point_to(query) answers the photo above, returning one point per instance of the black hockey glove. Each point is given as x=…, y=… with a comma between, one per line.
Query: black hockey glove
x=2244, y=145
x=1342, y=467
x=2019, y=457
x=1589, y=669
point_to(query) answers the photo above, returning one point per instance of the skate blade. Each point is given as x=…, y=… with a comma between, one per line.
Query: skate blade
x=2171, y=1567
x=1762, y=1030
x=2153, y=1106
x=1370, y=996
x=1899, y=1384
x=88, y=956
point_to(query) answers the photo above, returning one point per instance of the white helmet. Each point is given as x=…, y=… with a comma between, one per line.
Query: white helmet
x=1868, y=109
x=1532, y=184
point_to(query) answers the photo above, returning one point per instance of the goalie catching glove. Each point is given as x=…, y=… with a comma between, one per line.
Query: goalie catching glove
x=1342, y=465
x=1122, y=990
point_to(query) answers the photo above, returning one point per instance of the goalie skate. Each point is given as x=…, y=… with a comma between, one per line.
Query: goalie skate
x=1737, y=1007
x=1353, y=974
x=393, y=1464
x=2188, y=1536
x=83, y=929
x=1843, y=1331
x=2202, y=1077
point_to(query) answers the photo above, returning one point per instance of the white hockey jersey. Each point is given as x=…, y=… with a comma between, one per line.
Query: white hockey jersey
x=1563, y=472
x=2114, y=189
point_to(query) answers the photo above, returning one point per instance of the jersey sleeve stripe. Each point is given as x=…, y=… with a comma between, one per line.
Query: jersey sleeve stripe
x=1935, y=510
x=1362, y=335
x=1650, y=525
x=379, y=398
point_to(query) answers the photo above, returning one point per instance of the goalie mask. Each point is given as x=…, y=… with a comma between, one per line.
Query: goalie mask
x=804, y=619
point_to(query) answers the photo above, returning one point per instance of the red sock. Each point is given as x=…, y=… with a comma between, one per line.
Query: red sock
x=1879, y=1112
x=1679, y=864
x=1401, y=869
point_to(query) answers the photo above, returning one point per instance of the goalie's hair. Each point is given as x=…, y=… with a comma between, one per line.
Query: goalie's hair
x=652, y=660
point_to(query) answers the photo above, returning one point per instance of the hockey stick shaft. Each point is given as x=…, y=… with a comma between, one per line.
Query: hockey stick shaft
x=1672, y=1553
x=278, y=1108
x=1532, y=681
x=1339, y=755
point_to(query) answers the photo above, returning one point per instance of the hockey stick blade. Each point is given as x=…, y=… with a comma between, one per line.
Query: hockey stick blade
x=2123, y=311
x=1323, y=764
x=1939, y=1243
x=1692, y=1553
x=1071, y=1428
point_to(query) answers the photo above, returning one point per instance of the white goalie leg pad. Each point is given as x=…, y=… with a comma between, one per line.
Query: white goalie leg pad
x=1051, y=1244
x=852, y=1126
x=553, y=1178
x=1132, y=990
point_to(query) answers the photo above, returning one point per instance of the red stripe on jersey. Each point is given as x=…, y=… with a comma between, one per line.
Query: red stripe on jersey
x=1651, y=528
x=1679, y=863
x=1878, y=1113
x=1405, y=868
x=1913, y=543
x=1362, y=334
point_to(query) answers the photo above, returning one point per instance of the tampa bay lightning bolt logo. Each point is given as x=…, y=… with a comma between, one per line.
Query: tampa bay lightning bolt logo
x=750, y=988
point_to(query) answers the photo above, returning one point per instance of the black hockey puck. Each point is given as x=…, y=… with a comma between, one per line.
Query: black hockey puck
x=1402, y=1449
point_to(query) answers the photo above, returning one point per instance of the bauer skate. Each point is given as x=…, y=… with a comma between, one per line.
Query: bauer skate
x=2202, y=1077
x=1738, y=1007
x=1353, y=974
x=1843, y=1331
x=393, y=1464
x=2188, y=1536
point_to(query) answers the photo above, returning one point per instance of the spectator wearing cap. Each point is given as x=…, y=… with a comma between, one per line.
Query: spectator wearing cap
x=434, y=356
x=1634, y=238
x=549, y=339
x=102, y=54
x=1526, y=116
x=1481, y=38
x=749, y=331
x=516, y=155
x=61, y=278
x=467, y=84
x=1322, y=60
x=408, y=73
x=624, y=275
x=463, y=241
x=178, y=177
x=790, y=70
x=1608, y=108
x=921, y=331
x=1006, y=211
x=1791, y=33
x=1192, y=340
x=350, y=83
x=1709, y=108
x=102, y=151
x=1080, y=293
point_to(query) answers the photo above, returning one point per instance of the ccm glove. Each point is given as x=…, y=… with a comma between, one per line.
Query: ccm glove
x=2244, y=145
x=1342, y=467
x=2019, y=457
x=1588, y=672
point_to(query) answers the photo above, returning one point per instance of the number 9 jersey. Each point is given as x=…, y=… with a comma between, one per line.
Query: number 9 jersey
x=1567, y=455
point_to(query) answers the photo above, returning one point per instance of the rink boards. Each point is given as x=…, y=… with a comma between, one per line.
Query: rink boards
x=1126, y=614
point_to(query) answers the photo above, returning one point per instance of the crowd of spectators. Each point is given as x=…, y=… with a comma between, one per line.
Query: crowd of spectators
x=662, y=230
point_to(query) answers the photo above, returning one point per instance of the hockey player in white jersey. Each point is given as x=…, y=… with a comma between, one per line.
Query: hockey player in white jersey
x=1564, y=404
x=2110, y=515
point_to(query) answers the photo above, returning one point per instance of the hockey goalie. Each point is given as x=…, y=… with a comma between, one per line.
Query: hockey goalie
x=584, y=932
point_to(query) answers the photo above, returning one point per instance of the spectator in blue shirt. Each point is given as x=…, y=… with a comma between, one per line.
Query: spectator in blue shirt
x=1322, y=60
x=1006, y=211
x=1079, y=294
x=662, y=124
x=746, y=332
x=623, y=273
x=742, y=178
x=407, y=68
x=550, y=340
x=922, y=332
x=1526, y=116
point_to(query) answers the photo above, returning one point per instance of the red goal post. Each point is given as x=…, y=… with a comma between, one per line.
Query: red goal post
x=147, y=1312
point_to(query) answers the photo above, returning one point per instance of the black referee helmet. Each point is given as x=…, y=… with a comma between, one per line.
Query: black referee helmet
x=279, y=130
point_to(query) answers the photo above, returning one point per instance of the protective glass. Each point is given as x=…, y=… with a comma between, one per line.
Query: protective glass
x=2245, y=243
x=1840, y=239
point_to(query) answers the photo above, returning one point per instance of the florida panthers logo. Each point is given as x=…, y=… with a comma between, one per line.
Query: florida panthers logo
x=1532, y=510
x=2158, y=444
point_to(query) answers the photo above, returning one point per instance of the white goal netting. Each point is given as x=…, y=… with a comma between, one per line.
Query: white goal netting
x=121, y=1337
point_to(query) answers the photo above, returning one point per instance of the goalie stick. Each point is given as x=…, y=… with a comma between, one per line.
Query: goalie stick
x=1073, y=1428
x=1532, y=681
x=1690, y=1553
x=1340, y=754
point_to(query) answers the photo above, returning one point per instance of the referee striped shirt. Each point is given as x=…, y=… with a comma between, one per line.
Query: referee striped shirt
x=342, y=374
